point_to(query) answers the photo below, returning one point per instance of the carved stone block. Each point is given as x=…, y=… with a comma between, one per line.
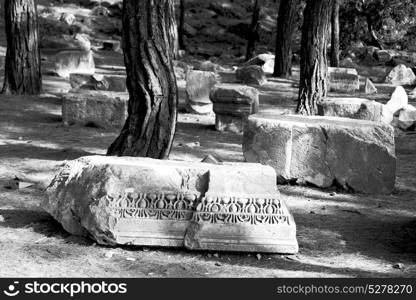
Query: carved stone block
x=147, y=202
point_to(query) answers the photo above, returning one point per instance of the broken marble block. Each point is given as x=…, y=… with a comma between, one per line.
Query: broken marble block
x=357, y=155
x=401, y=75
x=148, y=202
x=95, y=108
x=354, y=108
x=369, y=87
x=343, y=80
x=232, y=105
x=198, y=87
x=251, y=75
x=250, y=217
x=74, y=61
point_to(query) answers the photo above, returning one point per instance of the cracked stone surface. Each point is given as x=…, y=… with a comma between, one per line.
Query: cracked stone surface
x=357, y=155
x=147, y=202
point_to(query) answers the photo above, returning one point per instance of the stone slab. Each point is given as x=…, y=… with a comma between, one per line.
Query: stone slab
x=357, y=155
x=354, y=108
x=343, y=80
x=147, y=202
x=74, y=61
x=95, y=108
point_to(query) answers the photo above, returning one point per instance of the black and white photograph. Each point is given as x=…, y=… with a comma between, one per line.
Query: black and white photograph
x=186, y=139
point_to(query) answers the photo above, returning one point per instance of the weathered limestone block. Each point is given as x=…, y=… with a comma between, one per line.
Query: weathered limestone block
x=251, y=75
x=74, y=61
x=343, y=80
x=401, y=75
x=407, y=117
x=97, y=108
x=198, y=87
x=354, y=108
x=147, y=202
x=358, y=155
x=232, y=105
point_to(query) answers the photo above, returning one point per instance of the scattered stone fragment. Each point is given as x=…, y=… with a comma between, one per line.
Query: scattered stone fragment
x=357, y=155
x=210, y=159
x=95, y=108
x=100, y=11
x=343, y=80
x=232, y=105
x=370, y=88
x=67, y=18
x=407, y=117
x=398, y=100
x=251, y=75
x=266, y=61
x=354, y=108
x=401, y=75
x=198, y=87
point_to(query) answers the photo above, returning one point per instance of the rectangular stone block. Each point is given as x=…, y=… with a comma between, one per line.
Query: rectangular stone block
x=357, y=155
x=147, y=202
x=95, y=108
x=354, y=108
x=343, y=80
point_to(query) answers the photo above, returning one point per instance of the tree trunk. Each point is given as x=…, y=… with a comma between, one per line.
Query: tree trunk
x=22, y=66
x=335, y=34
x=151, y=124
x=172, y=25
x=253, y=35
x=313, y=62
x=374, y=40
x=285, y=27
x=181, y=30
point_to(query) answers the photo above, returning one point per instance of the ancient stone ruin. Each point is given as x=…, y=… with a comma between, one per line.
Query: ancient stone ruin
x=343, y=80
x=232, y=105
x=147, y=202
x=198, y=87
x=357, y=155
x=95, y=108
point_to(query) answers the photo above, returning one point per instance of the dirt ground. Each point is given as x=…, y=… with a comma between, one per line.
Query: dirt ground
x=340, y=235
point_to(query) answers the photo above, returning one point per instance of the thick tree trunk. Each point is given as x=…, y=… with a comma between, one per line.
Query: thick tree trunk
x=253, y=36
x=150, y=126
x=313, y=62
x=181, y=30
x=335, y=34
x=22, y=66
x=285, y=27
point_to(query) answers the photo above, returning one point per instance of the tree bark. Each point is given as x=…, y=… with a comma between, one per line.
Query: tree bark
x=313, y=62
x=151, y=123
x=181, y=30
x=22, y=65
x=335, y=34
x=172, y=25
x=285, y=28
x=253, y=35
